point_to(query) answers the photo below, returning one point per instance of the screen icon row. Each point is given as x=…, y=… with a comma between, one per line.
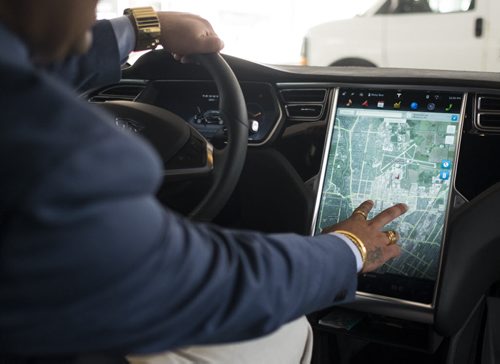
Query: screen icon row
x=408, y=100
x=397, y=105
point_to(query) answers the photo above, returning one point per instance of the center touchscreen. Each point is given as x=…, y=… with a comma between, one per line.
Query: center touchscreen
x=394, y=146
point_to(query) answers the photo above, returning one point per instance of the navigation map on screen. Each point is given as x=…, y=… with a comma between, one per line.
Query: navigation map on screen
x=394, y=146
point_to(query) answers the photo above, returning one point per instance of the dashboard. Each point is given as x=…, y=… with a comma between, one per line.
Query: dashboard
x=292, y=112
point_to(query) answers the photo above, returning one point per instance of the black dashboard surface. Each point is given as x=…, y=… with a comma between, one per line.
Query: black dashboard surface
x=160, y=65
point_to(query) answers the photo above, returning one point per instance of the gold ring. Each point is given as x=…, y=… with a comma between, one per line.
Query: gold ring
x=360, y=212
x=392, y=236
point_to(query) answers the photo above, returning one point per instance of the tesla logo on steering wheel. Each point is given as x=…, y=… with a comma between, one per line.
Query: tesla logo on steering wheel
x=128, y=124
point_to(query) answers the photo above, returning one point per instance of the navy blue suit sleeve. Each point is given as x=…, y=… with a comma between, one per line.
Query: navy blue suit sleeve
x=99, y=66
x=103, y=266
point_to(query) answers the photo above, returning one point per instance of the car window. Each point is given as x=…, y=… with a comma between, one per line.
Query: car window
x=430, y=34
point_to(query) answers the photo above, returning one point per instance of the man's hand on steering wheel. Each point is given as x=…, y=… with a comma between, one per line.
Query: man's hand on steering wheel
x=183, y=34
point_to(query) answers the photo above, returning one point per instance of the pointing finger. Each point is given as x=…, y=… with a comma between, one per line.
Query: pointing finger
x=388, y=215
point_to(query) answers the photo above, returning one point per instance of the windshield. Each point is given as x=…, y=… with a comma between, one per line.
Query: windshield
x=431, y=34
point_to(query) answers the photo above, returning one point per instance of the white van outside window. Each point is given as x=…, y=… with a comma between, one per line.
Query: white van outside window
x=424, y=6
x=439, y=34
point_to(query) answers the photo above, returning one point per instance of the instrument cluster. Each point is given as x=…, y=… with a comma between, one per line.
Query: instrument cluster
x=197, y=102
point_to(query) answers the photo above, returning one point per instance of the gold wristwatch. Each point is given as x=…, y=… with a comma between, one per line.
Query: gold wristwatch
x=147, y=27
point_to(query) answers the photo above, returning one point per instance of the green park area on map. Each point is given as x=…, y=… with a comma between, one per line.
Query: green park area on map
x=391, y=160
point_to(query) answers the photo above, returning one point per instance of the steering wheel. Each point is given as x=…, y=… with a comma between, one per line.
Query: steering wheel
x=186, y=154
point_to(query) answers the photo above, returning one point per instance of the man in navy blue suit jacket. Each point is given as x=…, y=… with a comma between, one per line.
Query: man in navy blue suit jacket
x=90, y=261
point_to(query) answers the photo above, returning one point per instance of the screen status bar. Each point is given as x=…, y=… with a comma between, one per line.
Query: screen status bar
x=401, y=100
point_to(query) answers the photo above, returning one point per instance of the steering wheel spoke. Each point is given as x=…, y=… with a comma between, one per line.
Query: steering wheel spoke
x=195, y=160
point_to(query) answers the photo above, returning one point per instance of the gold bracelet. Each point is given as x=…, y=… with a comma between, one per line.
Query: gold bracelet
x=147, y=27
x=359, y=244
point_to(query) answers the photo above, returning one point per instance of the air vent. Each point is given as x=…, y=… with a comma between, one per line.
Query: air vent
x=117, y=92
x=488, y=103
x=489, y=121
x=304, y=104
x=488, y=113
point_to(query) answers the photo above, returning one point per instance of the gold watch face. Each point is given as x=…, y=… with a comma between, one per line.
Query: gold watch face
x=147, y=27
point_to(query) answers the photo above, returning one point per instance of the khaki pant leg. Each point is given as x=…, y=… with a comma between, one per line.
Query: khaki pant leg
x=291, y=344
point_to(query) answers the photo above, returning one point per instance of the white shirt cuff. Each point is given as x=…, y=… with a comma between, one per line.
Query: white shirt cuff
x=354, y=248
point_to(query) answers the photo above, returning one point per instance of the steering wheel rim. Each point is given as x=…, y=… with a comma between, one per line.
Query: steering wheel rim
x=228, y=162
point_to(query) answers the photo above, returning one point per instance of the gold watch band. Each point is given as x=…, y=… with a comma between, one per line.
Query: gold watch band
x=147, y=27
